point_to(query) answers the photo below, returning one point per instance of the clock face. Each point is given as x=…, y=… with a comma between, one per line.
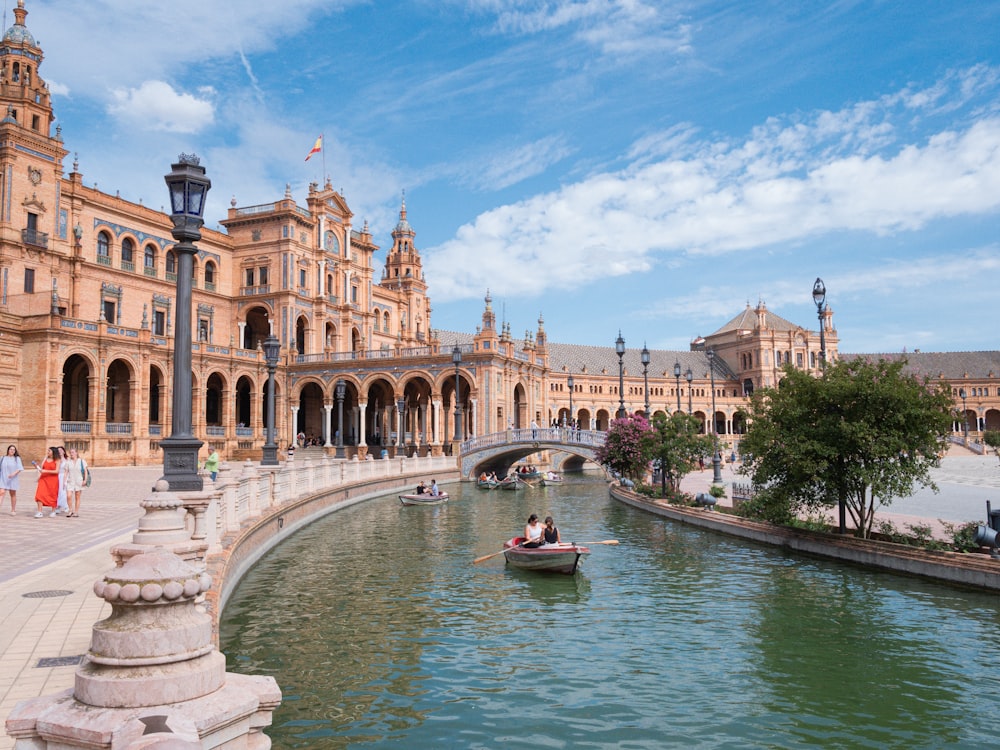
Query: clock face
x=331, y=243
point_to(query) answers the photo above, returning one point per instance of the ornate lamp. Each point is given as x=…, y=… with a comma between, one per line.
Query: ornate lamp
x=272, y=350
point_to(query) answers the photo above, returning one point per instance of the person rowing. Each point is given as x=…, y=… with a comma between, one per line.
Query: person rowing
x=533, y=533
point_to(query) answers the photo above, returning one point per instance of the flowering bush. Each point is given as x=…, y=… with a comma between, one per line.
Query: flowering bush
x=628, y=447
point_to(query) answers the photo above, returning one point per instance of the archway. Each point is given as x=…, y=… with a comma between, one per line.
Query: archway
x=118, y=394
x=244, y=402
x=155, y=387
x=257, y=327
x=76, y=390
x=213, y=400
x=520, y=407
x=310, y=422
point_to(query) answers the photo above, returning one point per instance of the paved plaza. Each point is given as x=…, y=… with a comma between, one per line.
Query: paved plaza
x=48, y=565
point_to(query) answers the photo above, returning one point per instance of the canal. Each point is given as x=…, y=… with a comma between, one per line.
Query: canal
x=382, y=633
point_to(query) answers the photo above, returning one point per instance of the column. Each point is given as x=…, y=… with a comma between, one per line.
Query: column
x=242, y=340
x=327, y=425
x=422, y=418
x=295, y=427
x=437, y=421
x=473, y=426
x=363, y=414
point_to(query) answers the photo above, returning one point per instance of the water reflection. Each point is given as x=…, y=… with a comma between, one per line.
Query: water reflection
x=382, y=633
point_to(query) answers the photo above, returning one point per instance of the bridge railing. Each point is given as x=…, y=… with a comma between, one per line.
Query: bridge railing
x=589, y=438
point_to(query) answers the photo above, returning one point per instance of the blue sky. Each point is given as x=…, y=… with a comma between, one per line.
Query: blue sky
x=636, y=165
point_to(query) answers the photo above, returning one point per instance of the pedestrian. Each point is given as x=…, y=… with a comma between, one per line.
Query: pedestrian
x=76, y=480
x=211, y=464
x=10, y=476
x=47, y=491
x=62, y=506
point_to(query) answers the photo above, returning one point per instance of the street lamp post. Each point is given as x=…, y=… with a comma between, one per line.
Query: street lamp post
x=965, y=418
x=188, y=187
x=677, y=377
x=456, y=357
x=570, y=382
x=819, y=297
x=645, y=377
x=716, y=457
x=401, y=418
x=339, y=392
x=272, y=349
x=689, y=376
x=620, y=351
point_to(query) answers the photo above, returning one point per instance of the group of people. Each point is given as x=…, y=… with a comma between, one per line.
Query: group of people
x=491, y=477
x=62, y=477
x=433, y=490
x=536, y=534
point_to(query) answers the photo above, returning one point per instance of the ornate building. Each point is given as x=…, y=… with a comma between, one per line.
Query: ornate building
x=87, y=304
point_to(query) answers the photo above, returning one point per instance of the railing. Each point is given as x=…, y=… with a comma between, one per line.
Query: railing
x=244, y=432
x=128, y=265
x=263, y=208
x=209, y=286
x=104, y=260
x=150, y=271
x=213, y=430
x=566, y=436
x=250, y=291
x=75, y=428
x=34, y=237
x=155, y=429
x=171, y=276
x=118, y=428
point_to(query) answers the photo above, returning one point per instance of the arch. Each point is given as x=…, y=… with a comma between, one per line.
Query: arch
x=243, y=401
x=118, y=395
x=702, y=422
x=380, y=425
x=357, y=343
x=584, y=419
x=75, y=405
x=739, y=423
x=257, y=327
x=330, y=336
x=213, y=400
x=103, y=247
x=520, y=415
x=128, y=253
x=311, y=416
x=385, y=322
x=149, y=253
x=156, y=383
x=300, y=334
x=720, y=423
x=418, y=419
x=210, y=270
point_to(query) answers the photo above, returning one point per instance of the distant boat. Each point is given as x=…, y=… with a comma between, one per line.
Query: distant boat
x=545, y=481
x=512, y=483
x=424, y=499
x=487, y=484
x=528, y=474
x=549, y=558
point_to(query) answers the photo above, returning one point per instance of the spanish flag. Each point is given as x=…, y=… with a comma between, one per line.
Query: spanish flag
x=317, y=147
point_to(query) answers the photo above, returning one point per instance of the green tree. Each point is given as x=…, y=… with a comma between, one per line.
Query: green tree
x=992, y=439
x=675, y=445
x=860, y=435
x=627, y=447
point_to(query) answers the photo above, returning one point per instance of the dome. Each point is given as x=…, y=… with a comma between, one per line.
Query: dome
x=403, y=226
x=19, y=34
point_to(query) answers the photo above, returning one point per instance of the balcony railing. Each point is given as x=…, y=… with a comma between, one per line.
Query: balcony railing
x=156, y=429
x=244, y=432
x=150, y=271
x=249, y=291
x=128, y=265
x=104, y=260
x=118, y=428
x=34, y=237
x=215, y=430
x=171, y=276
x=75, y=428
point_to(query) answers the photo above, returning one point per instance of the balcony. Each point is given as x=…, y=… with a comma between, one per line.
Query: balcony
x=150, y=271
x=75, y=428
x=118, y=428
x=214, y=430
x=128, y=265
x=250, y=291
x=34, y=238
x=104, y=260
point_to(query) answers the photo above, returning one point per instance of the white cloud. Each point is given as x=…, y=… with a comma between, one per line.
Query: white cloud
x=502, y=168
x=155, y=105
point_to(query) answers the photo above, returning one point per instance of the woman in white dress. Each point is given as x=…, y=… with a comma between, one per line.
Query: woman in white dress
x=62, y=506
x=76, y=480
x=10, y=476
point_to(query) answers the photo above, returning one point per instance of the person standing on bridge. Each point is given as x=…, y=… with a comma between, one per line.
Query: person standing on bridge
x=534, y=430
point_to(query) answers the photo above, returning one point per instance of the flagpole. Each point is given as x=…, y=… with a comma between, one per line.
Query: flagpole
x=325, y=178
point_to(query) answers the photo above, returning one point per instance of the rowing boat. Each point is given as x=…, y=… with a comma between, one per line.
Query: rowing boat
x=549, y=558
x=512, y=483
x=546, y=481
x=487, y=484
x=424, y=499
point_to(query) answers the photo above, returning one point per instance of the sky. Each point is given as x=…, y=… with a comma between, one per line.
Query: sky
x=642, y=166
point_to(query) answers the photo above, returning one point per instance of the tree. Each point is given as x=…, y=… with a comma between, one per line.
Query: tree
x=992, y=439
x=627, y=446
x=675, y=444
x=860, y=435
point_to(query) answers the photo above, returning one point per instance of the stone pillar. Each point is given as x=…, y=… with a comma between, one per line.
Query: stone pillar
x=473, y=430
x=328, y=424
x=295, y=427
x=241, y=341
x=436, y=404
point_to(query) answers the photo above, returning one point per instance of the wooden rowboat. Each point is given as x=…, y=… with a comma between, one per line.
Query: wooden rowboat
x=549, y=558
x=424, y=499
x=512, y=483
x=546, y=481
x=487, y=484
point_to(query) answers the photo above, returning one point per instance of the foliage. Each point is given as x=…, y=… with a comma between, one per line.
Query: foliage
x=627, y=447
x=963, y=536
x=717, y=491
x=992, y=439
x=676, y=445
x=860, y=435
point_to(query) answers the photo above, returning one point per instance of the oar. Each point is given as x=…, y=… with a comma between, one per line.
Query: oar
x=487, y=557
x=613, y=542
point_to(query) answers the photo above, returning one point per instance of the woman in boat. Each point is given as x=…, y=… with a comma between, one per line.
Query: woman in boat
x=421, y=488
x=550, y=533
x=532, y=533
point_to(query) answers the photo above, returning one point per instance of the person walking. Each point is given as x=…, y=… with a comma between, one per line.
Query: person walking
x=47, y=491
x=62, y=506
x=211, y=464
x=10, y=476
x=76, y=480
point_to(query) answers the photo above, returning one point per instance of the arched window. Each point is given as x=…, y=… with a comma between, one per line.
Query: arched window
x=104, y=248
x=128, y=254
x=210, y=276
x=385, y=319
x=149, y=260
x=171, y=264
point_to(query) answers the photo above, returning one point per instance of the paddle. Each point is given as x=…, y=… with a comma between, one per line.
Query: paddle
x=487, y=557
x=606, y=541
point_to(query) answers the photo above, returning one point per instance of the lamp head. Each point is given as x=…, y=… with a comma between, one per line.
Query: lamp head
x=711, y=355
x=272, y=349
x=456, y=355
x=961, y=393
x=569, y=382
x=620, y=344
x=188, y=187
x=677, y=369
x=341, y=388
x=689, y=376
x=645, y=354
x=819, y=294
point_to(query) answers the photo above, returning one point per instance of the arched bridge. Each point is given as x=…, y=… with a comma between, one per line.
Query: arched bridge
x=498, y=451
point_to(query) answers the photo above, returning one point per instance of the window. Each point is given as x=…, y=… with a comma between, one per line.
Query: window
x=128, y=254
x=798, y=359
x=149, y=259
x=159, y=323
x=29, y=280
x=209, y=273
x=171, y=262
x=354, y=294
x=34, y=122
x=302, y=278
x=386, y=318
x=202, y=329
x=262, y=275
x=109, y=310
x=248, y=277
x=104, y=248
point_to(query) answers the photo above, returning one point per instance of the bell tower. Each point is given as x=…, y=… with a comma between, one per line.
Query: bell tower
x=24, y=95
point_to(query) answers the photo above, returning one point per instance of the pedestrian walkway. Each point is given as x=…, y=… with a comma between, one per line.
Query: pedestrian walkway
x=48, y=566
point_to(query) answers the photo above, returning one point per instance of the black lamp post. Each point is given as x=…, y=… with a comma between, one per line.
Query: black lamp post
x=677, y=377
x=400, y=409
x=272, y=349
x=570, y=383
x=645, y=378
x=689, y=376
x=965, y=417
x=339, y=392
x=620, y=351
x=716, y=458
x=456, y=357
x=188, y=187
x=819, y=297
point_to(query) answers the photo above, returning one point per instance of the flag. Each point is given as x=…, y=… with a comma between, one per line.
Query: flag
x=317, y=147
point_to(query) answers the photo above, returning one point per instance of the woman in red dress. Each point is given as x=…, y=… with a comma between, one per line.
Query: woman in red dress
x=47, y=493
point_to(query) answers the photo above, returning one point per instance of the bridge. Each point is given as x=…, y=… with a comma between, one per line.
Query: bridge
x=498, y=451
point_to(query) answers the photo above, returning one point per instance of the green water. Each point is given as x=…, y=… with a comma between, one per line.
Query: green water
x=381, y=633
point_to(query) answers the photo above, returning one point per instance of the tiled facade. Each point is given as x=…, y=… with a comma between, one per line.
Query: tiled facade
x=87, y=295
